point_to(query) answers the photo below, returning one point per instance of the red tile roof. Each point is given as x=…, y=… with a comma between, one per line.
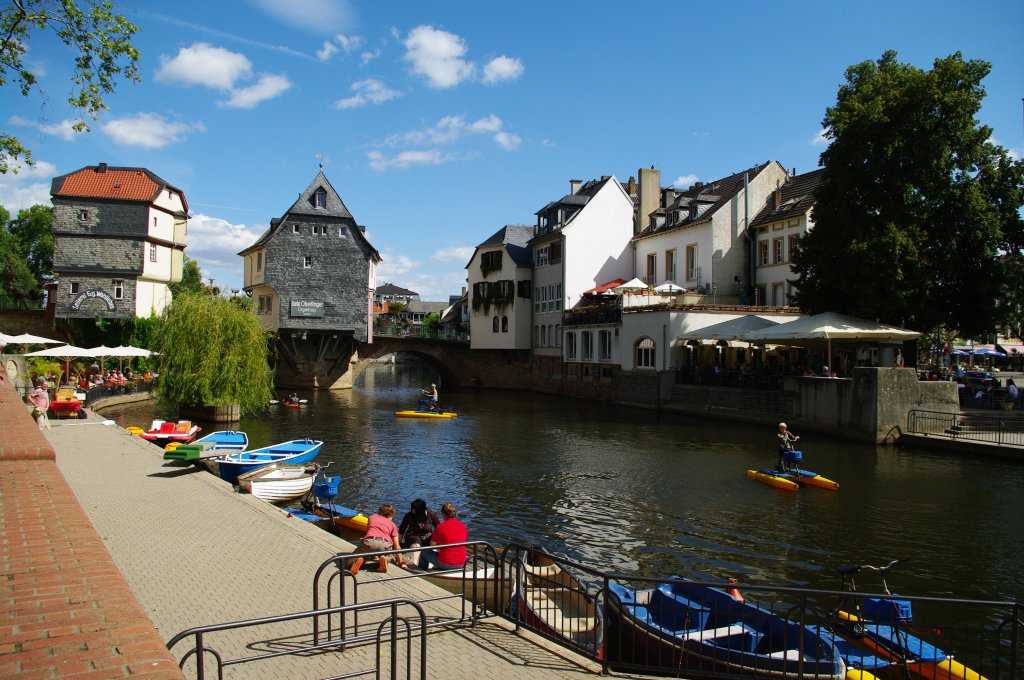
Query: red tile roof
x=128, y=184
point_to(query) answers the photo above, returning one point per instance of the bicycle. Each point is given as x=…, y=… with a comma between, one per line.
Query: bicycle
x=879, y=633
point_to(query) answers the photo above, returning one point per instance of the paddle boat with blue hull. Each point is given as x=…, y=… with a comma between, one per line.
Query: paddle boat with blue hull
x=684, y=627
x=231, y=465
x=214, y=444
x=792, y=477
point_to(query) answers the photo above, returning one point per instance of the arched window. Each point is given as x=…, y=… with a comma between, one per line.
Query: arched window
x=543, y=336
x=494, y=324
x=504, y=324
x=645, y=353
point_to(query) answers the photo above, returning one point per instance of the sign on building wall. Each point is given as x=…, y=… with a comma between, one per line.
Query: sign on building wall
x=90, y=294
x=306, y=309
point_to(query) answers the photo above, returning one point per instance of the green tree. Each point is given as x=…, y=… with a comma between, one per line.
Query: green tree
x=212, y=352
x=191, y=278
x=917, y=207
x=33, y=230
x=431, y=325
x=16, y=279
x=99, y=39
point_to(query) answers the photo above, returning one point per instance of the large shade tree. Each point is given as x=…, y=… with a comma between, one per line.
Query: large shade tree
x=917, y=218
x=212, y=352
x=99, y=42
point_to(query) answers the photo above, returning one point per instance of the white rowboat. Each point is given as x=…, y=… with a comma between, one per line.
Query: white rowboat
x=278, y=481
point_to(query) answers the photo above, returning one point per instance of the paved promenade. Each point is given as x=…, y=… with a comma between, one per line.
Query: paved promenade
x=193, y=552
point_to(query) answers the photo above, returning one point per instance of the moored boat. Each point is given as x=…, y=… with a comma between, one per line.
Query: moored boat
x=278, y=482
x=791, y=477
x=683, y=626
x=425, y=414
x=163, y=431
x=214, y=444
x=231, y=465
x=557, y=604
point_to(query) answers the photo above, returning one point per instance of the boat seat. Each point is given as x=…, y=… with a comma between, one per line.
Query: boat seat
x=714, y=633
x=550, y=605
x=167, y=427
x=185, y=426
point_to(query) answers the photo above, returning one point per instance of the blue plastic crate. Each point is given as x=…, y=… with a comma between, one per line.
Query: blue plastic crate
x=328, y=488
x=888, y=611
x=793, y=456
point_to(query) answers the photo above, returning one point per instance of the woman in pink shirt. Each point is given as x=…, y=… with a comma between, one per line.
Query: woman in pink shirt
x=381, y=534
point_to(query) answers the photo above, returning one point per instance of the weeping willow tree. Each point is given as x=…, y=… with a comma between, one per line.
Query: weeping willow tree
x=212, y=352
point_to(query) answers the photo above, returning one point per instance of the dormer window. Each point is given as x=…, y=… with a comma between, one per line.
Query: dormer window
x=295, y=229
x=694, y=211
x=320, y=199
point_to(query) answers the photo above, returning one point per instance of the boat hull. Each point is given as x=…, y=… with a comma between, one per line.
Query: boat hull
x=230, y=466
x=766, y=477
x=554, y=602
x=681, y=627
x=792, y=480
x=426, y=414
x=278, y=482
x=215, y=443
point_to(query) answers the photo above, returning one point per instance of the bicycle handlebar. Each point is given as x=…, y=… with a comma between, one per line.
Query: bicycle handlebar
x=850, y=569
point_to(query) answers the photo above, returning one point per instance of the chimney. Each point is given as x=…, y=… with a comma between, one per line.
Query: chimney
x=792, y=173
x=648, y=197
x=574, y=186
x=778, y=198
x=102, y=167
x=698, y=185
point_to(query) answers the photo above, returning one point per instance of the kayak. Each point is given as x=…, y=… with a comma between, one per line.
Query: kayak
x=425, y=414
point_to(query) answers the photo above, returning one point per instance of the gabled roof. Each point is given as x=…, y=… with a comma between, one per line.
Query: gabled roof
x=582, y=196
x=515, y=238
x=717, y=193
x=306, y=207
x=797, y=198
x=103, y=181
x=392, y=289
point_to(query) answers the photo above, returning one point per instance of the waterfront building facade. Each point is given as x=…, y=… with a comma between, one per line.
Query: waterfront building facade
x=580, y=240
x=119, y=236
x=697, y=238
x=500, y=278
x=311, y=276
x=777, y=228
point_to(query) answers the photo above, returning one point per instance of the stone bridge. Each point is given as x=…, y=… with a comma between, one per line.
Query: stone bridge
x=313, y=364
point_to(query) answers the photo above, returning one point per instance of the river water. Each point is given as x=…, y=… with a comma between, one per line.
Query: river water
x=657, y=494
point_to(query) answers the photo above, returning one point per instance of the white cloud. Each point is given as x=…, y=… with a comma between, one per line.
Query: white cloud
x=507, y=140
x=501, y=69
x=325, y=52
x=489, y=124
x=315, y=16
x=370, y=91
x=446, y=131
x=459, y=254
x=19, y=191
x=37, y=170
x=1015, y=153
x=203, y=64
x=64, y=129
x=438, y=56
x=148, y=130
x=349, y=43
x=214, y=243
x=405, y=159
x=267, y=87
x=368, y=56
x=393, y=266
x=819, y=138
x=684, y=181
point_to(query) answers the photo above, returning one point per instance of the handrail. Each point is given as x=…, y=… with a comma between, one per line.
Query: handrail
x=200, y=648
x=995, y=428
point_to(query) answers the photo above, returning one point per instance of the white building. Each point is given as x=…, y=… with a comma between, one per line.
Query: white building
x=777, y=227
x=698, y=237
x=581, y=240
x=500, y=275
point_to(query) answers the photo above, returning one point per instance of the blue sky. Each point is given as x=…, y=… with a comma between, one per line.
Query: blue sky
x=438, y=123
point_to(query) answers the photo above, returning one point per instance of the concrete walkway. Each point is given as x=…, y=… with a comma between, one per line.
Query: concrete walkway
x=195, y=552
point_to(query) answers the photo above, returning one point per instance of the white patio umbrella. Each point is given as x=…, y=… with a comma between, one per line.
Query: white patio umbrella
x=668, y=288
x=103, y=352
x=26, y=339
x=633, y=286
x=65, y=352
x=129, y=351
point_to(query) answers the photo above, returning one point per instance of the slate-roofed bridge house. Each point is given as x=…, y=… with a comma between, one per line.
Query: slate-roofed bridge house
x=311, y=277
x=119, y=237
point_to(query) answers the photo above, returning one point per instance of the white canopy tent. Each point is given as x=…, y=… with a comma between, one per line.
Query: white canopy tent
x=633, y=286
x=668, y=288
x=733, y=329
x=830, y=326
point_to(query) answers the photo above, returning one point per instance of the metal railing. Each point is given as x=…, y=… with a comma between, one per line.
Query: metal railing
x=1003, y=428
x=396, y=331
x=393, y=630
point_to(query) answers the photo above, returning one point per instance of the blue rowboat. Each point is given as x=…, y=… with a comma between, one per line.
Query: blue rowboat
x=685, y=627
x=220, y=442
x=231, y=465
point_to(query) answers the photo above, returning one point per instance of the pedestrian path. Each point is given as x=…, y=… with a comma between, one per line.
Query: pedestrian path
x=195, y=552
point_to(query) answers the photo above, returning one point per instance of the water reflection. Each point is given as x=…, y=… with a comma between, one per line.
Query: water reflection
x=637, y=491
